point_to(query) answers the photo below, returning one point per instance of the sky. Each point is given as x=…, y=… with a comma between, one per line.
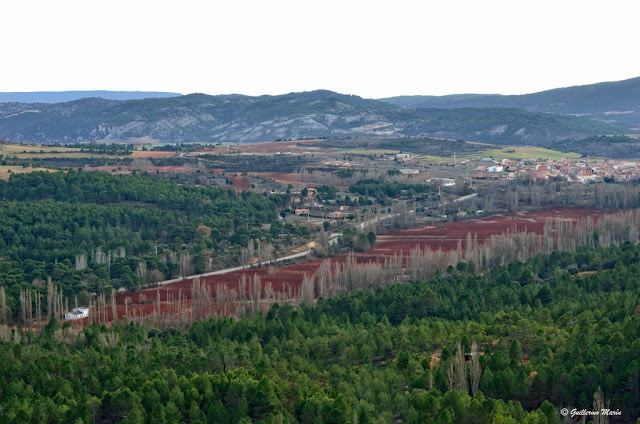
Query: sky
x=369, y=48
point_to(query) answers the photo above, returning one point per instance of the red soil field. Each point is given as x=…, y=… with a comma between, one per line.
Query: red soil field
x=287, y=279
x=240, y=183
x=280, y=278
x=445, y=236
x=152, y=154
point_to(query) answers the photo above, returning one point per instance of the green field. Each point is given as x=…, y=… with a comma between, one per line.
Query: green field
x=509, y=152
x=362, y=151
x=514, y=152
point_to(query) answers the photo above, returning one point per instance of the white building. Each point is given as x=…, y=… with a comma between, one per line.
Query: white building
x=77, y=313
x=495, y=168
x=407, y=171
x=446, y=182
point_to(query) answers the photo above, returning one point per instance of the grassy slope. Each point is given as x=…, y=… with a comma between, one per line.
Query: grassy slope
x=511, y=152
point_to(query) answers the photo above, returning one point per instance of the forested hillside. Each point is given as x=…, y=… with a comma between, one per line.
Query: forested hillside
x=86, y=230
x=514, y=345
x=615, y=101
x=244, y=119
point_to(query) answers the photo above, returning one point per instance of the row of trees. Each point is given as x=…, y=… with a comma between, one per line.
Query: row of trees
x=335, y=277
x=557, y=192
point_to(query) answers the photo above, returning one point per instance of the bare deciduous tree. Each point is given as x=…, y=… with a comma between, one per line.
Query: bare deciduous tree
x=4, y=319
x=475, y=370
x=460, y=376
x=600, y=403
x=141, y=271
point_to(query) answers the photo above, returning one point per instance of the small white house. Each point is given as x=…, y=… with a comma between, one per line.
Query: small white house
x=77, y=313
x=495, y=168
x=446, y=182
x=407, y=171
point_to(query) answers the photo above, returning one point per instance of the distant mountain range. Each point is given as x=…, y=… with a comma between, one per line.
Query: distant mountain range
x=68, y=96
x=613, y=102
x=243, y=119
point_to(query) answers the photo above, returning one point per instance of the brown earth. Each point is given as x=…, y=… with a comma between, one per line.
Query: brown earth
x=152, y=154
x=446, y=236
x=240, y=183
x=296, y=146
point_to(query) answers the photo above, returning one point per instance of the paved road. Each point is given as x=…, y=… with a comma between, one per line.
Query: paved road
x=237, y=268
x=333, y=238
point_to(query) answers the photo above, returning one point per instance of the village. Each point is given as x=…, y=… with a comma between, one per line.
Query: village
x=577, y=171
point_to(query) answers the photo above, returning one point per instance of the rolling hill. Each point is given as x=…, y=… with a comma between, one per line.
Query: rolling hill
x=243, y=119
x=614, y=102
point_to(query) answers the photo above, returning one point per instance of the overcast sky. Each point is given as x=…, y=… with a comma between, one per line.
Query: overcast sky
x=369, y=48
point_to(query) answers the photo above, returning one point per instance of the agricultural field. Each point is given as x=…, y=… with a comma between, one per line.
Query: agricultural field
x=446, y=236
x=6, y=171
x=507, y=152
x=49, y=152
x=527, y=152
x=125, y=169
x=289, y=178
x=285, y=282
x=149, y=154
x=10, y=149
x=360, y=151
x=296, y=146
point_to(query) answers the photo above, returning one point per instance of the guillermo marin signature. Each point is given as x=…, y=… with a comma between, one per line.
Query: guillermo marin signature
x=584, y=412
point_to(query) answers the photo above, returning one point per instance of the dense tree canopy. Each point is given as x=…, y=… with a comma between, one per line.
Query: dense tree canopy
x=547, y=337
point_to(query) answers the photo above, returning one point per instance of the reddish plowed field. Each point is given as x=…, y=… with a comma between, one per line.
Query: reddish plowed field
x=241, y=183
x=445, y=236
x=286, y=280
x=152, y=155
x=282, y=280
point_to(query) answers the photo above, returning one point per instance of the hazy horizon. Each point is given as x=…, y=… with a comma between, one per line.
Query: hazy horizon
x=285, y=93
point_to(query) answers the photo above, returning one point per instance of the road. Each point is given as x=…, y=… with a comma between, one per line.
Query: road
x=333, y=238
x=238, y=268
